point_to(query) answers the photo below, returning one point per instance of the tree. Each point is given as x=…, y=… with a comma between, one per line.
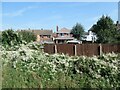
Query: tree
x=27, y=36
x=10, y=38
x=0, y=37
x=118, y=36
x=77, y=31
x=105, y=30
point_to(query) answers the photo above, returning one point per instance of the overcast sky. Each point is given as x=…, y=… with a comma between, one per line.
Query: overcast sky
x=37, y=15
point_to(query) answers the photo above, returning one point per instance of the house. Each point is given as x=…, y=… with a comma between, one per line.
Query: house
x=43, y=35
x=89, y=37
x=62, y=35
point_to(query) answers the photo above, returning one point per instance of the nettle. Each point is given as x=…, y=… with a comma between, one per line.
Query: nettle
x=58, y=70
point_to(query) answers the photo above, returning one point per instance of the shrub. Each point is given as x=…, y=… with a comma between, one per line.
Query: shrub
x=0, y=37
x=27, y=36
x=10, y=38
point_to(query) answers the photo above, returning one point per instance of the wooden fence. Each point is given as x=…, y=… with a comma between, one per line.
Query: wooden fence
x=81, y=49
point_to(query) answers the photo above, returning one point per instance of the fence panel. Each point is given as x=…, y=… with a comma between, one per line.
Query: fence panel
x=87, y=49
x=66, y=49
x=49, y=48
x=108, y=48
x=118, y=48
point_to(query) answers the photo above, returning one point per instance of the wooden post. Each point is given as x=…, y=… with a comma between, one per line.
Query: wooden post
x=100, y=51
x=55, y=48
x=75, y=49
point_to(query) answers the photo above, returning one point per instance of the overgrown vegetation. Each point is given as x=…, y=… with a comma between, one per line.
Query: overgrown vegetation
x=28, y=67
x=10, y=38
x=27, y=36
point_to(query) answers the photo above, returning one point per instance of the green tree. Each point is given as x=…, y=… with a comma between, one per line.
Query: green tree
x=0, y=37
x=27, y=36
x=118, y=36
x=10, y=38
x=105, y=30
x=77, y=31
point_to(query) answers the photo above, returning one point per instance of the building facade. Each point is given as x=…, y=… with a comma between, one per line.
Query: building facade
x=62, y=35
x=43, y=35
x=89, y=37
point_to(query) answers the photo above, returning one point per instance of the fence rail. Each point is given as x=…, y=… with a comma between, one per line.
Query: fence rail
x=81, y=49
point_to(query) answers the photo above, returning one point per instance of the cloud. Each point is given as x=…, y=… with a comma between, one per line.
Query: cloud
x=19, y=12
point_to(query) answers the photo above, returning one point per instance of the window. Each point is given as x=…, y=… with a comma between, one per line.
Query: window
x=61, y=34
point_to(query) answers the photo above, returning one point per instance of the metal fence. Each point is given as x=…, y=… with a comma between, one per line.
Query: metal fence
x=81, y=49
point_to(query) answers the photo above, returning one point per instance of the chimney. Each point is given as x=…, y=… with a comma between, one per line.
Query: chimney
x=57, y=28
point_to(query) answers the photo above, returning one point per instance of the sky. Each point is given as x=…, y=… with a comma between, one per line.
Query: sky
x=48, y=15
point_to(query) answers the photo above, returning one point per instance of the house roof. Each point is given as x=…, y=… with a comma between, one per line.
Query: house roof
x=64, y=30
x=42, y=32
x=86, y=33
x=39, y=32
x=54, y=35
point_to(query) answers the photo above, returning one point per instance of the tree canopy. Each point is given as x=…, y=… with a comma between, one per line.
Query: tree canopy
x=27, y=36
x=77, y=31
x=105, y=29
x=10, y=38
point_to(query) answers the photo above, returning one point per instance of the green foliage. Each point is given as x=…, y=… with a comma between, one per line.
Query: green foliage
x=27, y=36
x=105, y=29
x=31, y=68
x=77, y=31
x=118, y=36
x=0, y=37
x=10, y=38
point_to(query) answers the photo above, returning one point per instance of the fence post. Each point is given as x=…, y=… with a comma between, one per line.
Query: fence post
x=100, y=51
x=75, y=50
x=55, y=48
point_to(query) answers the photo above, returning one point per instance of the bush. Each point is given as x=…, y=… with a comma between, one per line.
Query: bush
x=10, y=38
x=27, y=36
x=0, y=37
